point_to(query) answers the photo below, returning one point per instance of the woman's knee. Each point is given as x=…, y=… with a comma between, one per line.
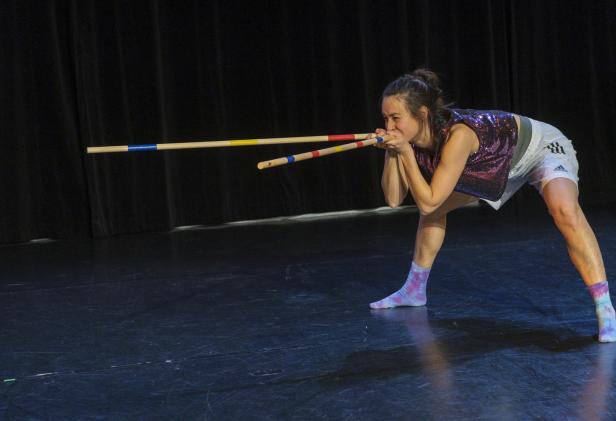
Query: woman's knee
x=567, y=214
x=561, y=198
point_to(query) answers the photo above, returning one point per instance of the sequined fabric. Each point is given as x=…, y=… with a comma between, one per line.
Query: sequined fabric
x=486, y=171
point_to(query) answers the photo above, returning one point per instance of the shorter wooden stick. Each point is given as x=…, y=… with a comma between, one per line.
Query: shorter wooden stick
x=321, y=152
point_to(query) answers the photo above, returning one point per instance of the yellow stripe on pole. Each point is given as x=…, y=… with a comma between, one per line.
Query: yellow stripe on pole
x=247, y=142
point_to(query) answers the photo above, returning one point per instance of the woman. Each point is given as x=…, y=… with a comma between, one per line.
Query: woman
x=448, y=158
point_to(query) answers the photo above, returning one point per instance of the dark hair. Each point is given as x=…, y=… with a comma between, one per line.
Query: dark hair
x=422, y=87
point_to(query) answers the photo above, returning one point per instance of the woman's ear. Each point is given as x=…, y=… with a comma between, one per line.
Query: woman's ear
x=424, y=112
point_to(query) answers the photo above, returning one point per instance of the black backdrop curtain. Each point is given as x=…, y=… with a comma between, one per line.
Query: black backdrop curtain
x=90, y=73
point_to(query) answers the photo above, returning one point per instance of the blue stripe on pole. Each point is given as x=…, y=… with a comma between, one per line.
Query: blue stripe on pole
x=379, y=139
x=151, y=147
x=290, y=159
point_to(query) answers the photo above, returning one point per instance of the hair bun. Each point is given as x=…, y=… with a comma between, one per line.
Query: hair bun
x=428, y=76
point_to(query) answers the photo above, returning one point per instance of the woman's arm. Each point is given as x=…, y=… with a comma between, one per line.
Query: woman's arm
x=394, y=183
x=429, y=197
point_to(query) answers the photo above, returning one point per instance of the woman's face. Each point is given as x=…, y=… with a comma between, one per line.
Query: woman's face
x=398, y=120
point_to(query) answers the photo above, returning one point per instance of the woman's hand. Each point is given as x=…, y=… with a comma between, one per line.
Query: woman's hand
x=393, y=145
x=396, y=143
x=378, y=133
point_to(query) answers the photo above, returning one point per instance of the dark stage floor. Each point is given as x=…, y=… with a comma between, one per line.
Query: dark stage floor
x=272, y=322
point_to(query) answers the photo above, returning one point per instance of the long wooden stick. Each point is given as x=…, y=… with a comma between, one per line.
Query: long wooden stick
x=321, y=152
x=224, y=143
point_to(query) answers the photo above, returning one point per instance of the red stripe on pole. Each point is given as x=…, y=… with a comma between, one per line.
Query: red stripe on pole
x=359, y=144
x=315, y=154
x=337, y=137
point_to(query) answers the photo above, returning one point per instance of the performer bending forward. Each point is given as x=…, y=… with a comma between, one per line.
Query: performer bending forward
x=448, y=158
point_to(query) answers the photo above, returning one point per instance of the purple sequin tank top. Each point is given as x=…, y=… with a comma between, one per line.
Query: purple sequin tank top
x=486, y=171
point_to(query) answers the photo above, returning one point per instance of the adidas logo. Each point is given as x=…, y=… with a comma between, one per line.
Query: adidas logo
x=560, y=168
x=555, y=147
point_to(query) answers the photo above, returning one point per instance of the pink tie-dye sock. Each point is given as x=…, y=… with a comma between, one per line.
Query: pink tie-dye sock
x=605, y=312
x=412, y=293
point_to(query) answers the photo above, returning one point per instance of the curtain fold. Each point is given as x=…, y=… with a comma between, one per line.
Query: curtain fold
x=43, y=192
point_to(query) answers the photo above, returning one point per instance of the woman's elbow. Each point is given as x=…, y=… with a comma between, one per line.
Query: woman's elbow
x=422, y=212
x=392, y=197
x=393, y=202
x=425, y=210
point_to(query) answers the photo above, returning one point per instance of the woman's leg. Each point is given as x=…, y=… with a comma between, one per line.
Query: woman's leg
x=561, y=198
x=429, y=238
x=428, y=242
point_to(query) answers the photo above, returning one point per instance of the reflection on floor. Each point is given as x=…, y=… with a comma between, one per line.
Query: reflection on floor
x=271, y=321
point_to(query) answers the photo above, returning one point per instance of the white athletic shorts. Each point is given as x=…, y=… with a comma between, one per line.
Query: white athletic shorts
x=549, y=155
